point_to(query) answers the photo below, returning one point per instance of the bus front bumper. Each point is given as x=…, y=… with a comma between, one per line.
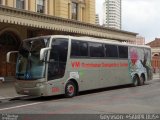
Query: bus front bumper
x=34, y=91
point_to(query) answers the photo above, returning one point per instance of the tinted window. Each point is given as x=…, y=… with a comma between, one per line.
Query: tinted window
x=79, y=49
x=111, y=51
x=123, y=52
x=59, y=50
x=58, y=59
x=96, y=50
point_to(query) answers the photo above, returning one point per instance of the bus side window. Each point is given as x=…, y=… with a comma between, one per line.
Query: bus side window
x=123, y=51
x=96, y=50
x=79, y=49
x=111, y=51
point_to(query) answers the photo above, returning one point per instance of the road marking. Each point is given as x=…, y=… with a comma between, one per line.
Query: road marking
x=2, y=98
x=20, y=106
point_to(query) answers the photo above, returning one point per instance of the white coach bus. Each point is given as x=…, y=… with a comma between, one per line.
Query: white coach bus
x=53, y=65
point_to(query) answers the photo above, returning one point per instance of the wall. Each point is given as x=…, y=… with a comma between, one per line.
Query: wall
x=62, y=8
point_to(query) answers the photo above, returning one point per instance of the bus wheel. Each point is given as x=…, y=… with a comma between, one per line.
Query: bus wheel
x=70, y=90
x=136, y=81
x=142, y=80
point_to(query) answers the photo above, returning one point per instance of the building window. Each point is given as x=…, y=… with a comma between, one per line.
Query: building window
x=20, y=4
x=40, y=6
x=74, y=11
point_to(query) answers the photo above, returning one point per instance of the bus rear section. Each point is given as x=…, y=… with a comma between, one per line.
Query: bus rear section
x=140, y=64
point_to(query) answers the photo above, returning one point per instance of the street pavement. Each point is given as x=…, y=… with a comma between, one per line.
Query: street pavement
x=156, y=76
x=141, y=99
x=7, y=88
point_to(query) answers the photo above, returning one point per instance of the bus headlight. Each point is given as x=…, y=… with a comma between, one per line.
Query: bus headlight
x=39, y=85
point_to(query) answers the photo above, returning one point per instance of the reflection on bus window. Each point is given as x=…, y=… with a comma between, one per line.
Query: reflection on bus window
x=28, y=64
x=58, y=58
x=79, y=49
x=96, y=50
x=111, y=51
x=123, y=51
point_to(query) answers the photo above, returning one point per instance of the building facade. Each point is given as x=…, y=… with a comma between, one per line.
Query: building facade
x=138, y=41
x=155, y=46
x=21, y=19
x=112, y=14
x=81, y=10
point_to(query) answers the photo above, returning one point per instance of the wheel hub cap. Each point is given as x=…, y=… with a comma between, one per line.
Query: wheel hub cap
x=70, y=89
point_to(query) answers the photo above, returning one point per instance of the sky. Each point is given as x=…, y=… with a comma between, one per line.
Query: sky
x=139, y=16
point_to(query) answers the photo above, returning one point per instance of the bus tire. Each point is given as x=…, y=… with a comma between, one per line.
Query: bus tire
x=70, y=89
x=136, y=81
x=142, y=80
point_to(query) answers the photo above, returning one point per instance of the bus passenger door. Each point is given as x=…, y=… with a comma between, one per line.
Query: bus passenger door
x=57, y=64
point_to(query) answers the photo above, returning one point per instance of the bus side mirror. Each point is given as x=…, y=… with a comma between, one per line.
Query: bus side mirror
x=9, y=54
x=42, y=52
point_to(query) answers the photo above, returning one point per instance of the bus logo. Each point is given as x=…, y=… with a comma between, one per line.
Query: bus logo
x=75, y=64
x=27, y=76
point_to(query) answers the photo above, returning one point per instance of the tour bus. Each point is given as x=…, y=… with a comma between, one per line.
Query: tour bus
x=60, y=64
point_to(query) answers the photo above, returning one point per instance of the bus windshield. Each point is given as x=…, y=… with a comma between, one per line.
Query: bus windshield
x=29, y=66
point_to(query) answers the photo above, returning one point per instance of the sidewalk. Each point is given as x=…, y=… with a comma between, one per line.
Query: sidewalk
x=156, y=76
x=7, y=89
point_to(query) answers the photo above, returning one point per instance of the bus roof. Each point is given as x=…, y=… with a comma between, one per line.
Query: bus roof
x=90, y=39
x=101, y=40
